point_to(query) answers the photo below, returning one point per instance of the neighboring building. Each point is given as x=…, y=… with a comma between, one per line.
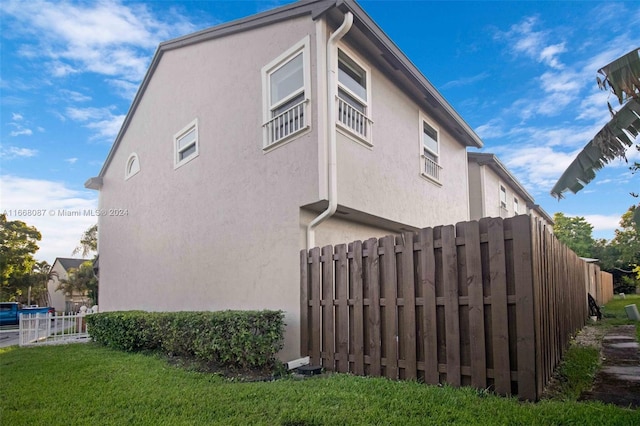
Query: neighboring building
x=495, y=192
x=61, y=301
x=226, y=158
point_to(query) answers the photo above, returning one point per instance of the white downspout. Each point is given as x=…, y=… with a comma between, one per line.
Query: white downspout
x=332, y=163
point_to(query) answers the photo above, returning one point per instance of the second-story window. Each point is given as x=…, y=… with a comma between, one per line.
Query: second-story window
x=503, y=197
x=430, y=151
x=354, y=96
x=515, y=206
x=286, y=94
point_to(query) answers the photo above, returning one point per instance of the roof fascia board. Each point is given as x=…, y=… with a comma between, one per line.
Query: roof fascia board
x=411, y=70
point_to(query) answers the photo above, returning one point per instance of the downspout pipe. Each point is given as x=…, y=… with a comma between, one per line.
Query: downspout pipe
x=332, y=163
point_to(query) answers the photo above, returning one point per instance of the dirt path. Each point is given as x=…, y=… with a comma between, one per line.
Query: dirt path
x=618, y=381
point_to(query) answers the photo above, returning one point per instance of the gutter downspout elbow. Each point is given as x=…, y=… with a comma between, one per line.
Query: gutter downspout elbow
x=332, y=163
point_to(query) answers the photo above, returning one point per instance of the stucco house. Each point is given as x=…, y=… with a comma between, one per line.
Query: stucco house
x=495, y=192
x=246, y=142
x=58, y=299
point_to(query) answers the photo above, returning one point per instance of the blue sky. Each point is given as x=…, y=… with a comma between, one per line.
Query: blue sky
x=522, y=74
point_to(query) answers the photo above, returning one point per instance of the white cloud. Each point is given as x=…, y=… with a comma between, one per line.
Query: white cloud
x=105, y=37
x=600, y=222
x=20, y=132
x=105, y=124
x=71, y=160
x=16, y=117
x=464, y=81
x=74, y=96
x=60, y=234
x=15, y=152
x=549, y=54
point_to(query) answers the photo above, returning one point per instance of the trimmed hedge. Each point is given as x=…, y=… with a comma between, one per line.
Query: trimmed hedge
x=247, y=339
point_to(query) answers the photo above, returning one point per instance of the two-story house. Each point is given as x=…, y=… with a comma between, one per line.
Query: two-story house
x=249, y=141
x=58, y=298
x=495, y=192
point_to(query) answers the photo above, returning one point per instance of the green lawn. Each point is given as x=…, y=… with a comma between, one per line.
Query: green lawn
x=88, y=384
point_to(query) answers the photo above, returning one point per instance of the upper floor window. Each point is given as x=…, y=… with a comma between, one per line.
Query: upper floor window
x=354, y=96
x=515, y=206
x=503, y=197
x=185, y=144
x=430, y=151
x=133, y=166
x=286, y=94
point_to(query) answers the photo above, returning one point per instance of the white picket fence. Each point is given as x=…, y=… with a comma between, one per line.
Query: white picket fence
x=47, y=329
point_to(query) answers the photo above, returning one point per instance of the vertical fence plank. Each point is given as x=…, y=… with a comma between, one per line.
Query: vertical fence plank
x=409, y=310
x=316, y=310
x=389, y=282
x=471, y=233
x=427, y=273
x=342, y=310
x=374, y=339
x=451, y=303
x=499, y=318
x=357, y=339
x=328, y=286
x=523, y=276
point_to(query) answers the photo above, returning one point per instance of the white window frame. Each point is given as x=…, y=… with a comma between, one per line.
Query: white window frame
x=301, y=109
x=367, y=124
x=177, y=151
x=429, y=168
x=516, y=205
x=132, y=166
x=502, y=196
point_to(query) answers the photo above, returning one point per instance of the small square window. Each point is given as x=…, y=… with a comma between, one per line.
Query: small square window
x=186, y=144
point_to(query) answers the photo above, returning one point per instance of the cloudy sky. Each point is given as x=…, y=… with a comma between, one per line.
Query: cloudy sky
x=522, y=74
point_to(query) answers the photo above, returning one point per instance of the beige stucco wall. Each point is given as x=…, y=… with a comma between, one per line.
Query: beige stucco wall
x=476, y=191
x=483, y=180
x=225, y=230
x=392, y=166
x=217, y=232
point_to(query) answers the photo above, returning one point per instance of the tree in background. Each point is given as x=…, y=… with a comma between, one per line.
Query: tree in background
x=575, y=233
x=18, y=244
x=82, y=282
x=88, y=242
x=39, y=278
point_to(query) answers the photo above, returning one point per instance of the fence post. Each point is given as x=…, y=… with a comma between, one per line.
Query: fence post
x=520, y=227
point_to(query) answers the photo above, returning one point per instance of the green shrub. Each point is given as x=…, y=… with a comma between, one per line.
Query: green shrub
x=247, y=339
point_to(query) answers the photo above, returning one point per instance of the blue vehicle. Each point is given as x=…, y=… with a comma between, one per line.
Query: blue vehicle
x=10, y=312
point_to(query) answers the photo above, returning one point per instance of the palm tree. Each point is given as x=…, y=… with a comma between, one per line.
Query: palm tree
x=622, y=77
x=39, y=278
x=81, y=282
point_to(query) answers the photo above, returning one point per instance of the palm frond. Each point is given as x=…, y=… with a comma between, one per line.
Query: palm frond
x=609, y=143
x=622, y=76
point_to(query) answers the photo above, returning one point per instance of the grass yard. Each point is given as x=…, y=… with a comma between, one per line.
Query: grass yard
x=83, y=384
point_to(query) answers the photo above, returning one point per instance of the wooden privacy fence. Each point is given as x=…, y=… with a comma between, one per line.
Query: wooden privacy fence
x=490, y=304
x=599, y=283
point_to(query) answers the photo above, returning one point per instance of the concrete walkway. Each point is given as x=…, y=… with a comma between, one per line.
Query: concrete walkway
x=618, y=381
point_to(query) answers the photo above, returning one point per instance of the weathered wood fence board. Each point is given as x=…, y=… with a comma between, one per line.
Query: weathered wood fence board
x=490, y=304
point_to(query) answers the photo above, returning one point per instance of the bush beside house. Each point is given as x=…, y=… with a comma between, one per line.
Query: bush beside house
x=246, y=339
